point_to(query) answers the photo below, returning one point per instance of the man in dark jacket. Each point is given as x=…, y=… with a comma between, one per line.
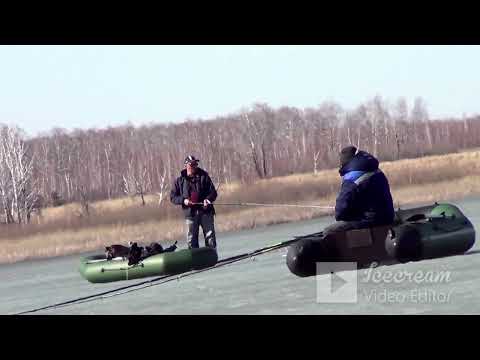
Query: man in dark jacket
x=195, y=192
x=364, y=199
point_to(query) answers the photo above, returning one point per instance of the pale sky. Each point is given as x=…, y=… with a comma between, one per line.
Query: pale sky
x=42, y=87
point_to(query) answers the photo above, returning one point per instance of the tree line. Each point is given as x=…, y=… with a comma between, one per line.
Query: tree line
x=254, y=143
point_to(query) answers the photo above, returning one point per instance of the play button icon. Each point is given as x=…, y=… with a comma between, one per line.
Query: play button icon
x=336, y=282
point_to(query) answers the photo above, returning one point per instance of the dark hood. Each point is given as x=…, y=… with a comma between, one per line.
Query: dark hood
x=362, y=161
x=200, y=172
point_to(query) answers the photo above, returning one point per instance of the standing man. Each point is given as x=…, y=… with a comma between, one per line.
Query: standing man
x=195, y=192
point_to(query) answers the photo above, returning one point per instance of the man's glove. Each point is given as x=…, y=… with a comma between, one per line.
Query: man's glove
x=186, y=202
x=206, y=202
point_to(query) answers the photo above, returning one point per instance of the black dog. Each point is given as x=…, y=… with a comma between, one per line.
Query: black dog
x=135, y=254
x=156, y=248
x=114, y=251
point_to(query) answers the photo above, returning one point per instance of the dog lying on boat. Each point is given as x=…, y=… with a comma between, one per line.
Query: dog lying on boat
x=114, y=251
x=156, y=248
x=136, y=253
x=132, y=252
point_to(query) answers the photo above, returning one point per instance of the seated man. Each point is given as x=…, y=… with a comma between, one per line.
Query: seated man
x=364, y=199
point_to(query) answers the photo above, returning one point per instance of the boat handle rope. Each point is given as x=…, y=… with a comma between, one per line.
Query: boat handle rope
x=123, y=269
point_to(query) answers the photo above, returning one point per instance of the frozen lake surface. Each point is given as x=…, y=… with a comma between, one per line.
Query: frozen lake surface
x=263, y=285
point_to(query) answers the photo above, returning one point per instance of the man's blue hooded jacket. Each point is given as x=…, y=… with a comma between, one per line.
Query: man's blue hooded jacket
x=365, y=192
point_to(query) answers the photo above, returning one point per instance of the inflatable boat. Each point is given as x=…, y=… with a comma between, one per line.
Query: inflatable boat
x=420, y=233
x=97, y=269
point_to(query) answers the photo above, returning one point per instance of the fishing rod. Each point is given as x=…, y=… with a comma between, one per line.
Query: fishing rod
x=271, y=205
x=168, y=278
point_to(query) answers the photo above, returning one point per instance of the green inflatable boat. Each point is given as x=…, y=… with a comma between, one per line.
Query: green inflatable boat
x=97, y=269
x=420, y=233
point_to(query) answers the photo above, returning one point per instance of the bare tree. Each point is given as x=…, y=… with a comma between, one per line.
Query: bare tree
x=5, y=183
x=163, y=186
x=19, y=167
x=400, y=118
x=254, y=135
x=134, y=181
x=378, y=115
x=420, y=127
x=315, y=162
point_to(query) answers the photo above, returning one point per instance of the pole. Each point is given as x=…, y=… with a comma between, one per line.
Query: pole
x=271, y=205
